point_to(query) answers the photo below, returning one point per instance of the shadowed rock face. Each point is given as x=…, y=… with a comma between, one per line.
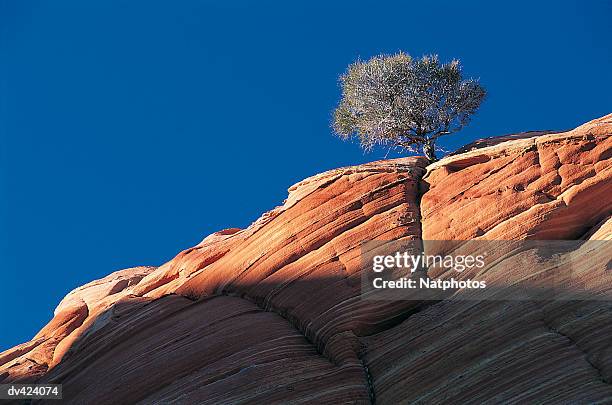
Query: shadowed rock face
x=273, y=313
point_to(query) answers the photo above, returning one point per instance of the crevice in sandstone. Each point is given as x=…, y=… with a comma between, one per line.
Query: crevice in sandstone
x=273, y=310
x=575, y=344
x=421, y=189
x=369, y=379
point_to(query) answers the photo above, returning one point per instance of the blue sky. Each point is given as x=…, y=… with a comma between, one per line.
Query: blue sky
x=131, y=130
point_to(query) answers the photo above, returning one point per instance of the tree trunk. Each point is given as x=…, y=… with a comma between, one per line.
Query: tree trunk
x=429, y=148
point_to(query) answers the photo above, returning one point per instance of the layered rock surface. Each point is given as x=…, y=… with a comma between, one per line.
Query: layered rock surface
x=273, y=313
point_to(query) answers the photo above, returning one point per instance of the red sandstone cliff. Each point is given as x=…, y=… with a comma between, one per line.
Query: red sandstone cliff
x=272, y=313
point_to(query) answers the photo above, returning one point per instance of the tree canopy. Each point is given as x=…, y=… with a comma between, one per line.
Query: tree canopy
x=400, y=101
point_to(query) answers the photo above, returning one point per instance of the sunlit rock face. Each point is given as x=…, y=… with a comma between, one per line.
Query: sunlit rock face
x=554, y=186
x=272, y=313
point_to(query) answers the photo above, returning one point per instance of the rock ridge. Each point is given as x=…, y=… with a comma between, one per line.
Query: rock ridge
x=273, y=312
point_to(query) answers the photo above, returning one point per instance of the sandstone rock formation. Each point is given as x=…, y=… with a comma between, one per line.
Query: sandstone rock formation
x=273, y=313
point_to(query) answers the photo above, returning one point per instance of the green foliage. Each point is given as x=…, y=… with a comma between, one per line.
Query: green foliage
x=401, y=101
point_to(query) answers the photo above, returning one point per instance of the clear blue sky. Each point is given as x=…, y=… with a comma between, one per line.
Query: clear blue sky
x=130, y=130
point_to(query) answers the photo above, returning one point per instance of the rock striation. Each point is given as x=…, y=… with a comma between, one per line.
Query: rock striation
x=273, y=313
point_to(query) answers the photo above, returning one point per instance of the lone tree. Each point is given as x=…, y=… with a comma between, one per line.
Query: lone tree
x=400, y=101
